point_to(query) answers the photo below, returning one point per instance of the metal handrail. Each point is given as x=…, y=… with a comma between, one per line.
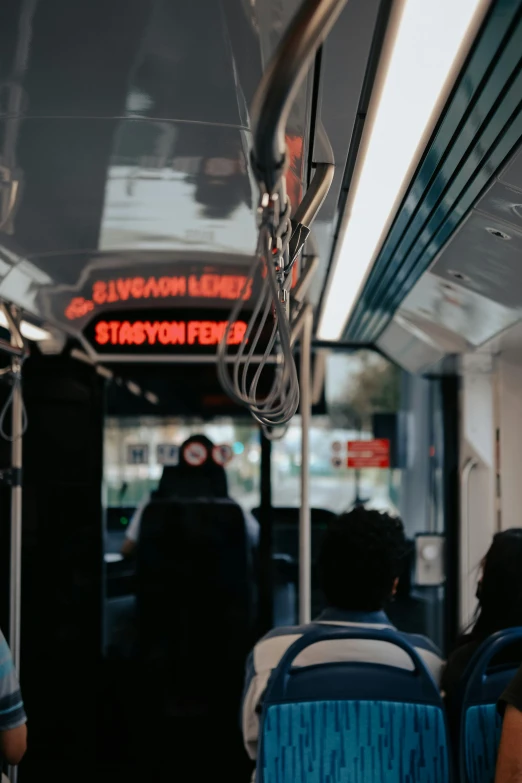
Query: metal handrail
x=280, y=83
x=315, y=194
x=305, y=520
x=465, y=475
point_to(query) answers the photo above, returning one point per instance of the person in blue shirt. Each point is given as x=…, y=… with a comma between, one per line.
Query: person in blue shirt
x=13, y=729
x=361, y=560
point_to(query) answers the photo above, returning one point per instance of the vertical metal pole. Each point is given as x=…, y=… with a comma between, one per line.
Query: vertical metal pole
x=16, y=524
x=16, y=517
x=305, y=533
x=266, y=584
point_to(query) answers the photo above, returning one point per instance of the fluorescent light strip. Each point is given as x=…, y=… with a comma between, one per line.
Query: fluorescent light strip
x=109, y=375
x=134, y=388
x=429, y=39
x=29, y=331
x=104, y=372
x=81, y=356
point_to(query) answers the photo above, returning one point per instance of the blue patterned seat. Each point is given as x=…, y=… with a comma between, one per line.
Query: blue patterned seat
x=480, y=722
x=483, y=727
x=352, y=722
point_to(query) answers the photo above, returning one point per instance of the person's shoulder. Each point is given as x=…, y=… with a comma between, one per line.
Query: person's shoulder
x=284, y=630
x=457, y=664
x=420, y=642
x=251, y=523
x=428, y=652
x=272, y=646
x=459, y=658
x=513, y=694
x=5, y=651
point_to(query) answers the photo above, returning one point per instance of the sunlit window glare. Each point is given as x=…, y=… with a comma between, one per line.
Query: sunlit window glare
x=427, y=43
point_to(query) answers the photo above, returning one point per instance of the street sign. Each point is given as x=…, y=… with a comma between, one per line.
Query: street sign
x=222, y=455
x=138, y=454
x=195, y=453
x=167, y=454
x=369, y=453
x=337, y=446
x=337, y=462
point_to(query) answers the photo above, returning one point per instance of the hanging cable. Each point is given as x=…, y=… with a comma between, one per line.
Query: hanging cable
x=268, y=338
x=268, y=333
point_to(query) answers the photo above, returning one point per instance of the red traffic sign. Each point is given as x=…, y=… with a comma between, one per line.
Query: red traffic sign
x=195, y=453
x=337, y=446
x=369, y=453
x=222, y=455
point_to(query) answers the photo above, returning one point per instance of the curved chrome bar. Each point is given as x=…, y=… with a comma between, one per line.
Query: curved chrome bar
x=280, y=83
x=315, y=194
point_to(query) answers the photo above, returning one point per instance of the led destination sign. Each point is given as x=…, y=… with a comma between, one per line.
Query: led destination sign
x=198, y=333
x=137, y=289
x=172, y=332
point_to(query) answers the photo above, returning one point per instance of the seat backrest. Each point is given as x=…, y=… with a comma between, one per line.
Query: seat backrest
x=481, y=726
x=194, y=590
x=349, y=720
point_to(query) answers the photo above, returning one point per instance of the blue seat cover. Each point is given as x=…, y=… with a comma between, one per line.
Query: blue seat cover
x=352, y=722
x=354, y=742
x=481, y=725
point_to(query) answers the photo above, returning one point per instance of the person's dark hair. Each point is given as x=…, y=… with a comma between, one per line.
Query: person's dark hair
x=208, y=480
x=361, y=557
x=500, y=588
x=406, y=573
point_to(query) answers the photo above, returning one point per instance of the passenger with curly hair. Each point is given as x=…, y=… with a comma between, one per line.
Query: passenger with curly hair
x=361, y=560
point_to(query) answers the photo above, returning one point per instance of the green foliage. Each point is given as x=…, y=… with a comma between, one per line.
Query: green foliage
x=374, y=387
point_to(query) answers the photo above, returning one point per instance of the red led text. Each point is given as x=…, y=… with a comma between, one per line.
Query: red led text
x=167, y=332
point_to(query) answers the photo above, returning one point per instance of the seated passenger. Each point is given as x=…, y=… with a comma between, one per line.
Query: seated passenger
x=13, y=729
x=509, y=760
x=359, y=565
x=499, y=593
x=185, y=481
x=406, y=611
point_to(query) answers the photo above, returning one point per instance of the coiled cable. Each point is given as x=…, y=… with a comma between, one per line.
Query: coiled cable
x=241, y=374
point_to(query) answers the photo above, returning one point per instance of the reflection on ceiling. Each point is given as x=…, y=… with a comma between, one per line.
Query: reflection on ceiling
x=125, y=128
x=473, y=291
x=175, y=186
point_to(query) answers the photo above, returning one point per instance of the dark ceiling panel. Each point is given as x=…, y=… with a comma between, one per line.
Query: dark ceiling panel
x=152, y=58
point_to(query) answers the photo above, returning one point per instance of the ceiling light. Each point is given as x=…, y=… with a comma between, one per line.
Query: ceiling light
x=104, y=372
x=134, y=388
x=29, y=331
x=426, y=47
x=496, y=232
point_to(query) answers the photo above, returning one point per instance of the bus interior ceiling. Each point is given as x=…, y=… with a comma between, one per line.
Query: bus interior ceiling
x=132, y=192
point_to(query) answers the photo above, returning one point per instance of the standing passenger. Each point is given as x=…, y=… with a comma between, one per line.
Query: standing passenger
x=360, y=562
